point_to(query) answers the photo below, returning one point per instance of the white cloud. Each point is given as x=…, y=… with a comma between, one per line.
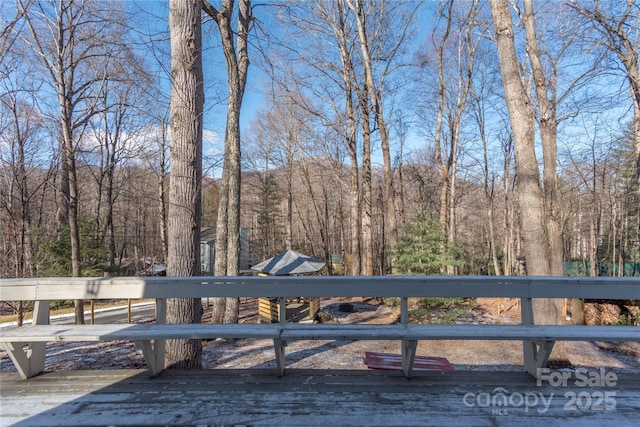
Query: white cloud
x=212, y=143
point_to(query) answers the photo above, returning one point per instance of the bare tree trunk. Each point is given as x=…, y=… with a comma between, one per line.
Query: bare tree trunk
x=162, y=192
x=444, y=166
x=69, y=171
x=376, y=98
x=220, y=263
x=492, y=240
x=187, y=103
x=356, y=199
x=367, y=256
x=289, y=171
x=488, y=187
x=465, y=75
x=451, y=229
x=594, y=232
x=366, y=208
x=228, y=227
x=507, y=220
x=74, y=229
x=28, y=269
x=530, y=195
x=402, y=215
x=360, y=214
x=62, y=192
x=548, y=133
x=447, y=162
x=110, y=226
x=222, y=224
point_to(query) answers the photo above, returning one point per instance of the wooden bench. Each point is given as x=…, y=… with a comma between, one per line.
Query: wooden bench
x=149, y=338
x=538, y=339
x=26, y=345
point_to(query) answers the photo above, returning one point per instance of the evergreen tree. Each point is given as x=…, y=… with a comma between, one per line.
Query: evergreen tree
x=423, y=248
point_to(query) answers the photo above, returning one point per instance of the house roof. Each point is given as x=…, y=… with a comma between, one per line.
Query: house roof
x=289, y=262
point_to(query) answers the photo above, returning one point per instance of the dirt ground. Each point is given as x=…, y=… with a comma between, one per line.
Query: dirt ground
x=463, y=355
x=251, y=353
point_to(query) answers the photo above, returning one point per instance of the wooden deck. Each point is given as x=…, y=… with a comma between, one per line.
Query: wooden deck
x=314, y=397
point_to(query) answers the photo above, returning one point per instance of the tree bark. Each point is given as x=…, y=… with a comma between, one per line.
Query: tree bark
x=489, y=188
x=358, y=234
x=64, y=91
x=185, y=192
x=548, y=135
x=530, y=195
x=162, y=191
x=289, y=168
x=228, y=226
x=366, y=209
x=529, y=191
x=444, y=166
x=376, y=98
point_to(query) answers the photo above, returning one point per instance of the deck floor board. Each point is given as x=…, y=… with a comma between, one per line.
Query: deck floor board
x=305, y=397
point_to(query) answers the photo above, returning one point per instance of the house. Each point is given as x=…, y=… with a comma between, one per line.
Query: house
x=208, y=250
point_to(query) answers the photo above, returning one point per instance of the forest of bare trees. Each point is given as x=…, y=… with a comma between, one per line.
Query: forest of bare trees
x=503, y=136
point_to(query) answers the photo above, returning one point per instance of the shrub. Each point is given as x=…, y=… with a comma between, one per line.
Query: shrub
x=423, y=249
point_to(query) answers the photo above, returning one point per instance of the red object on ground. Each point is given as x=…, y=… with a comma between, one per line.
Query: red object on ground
x=394, y=362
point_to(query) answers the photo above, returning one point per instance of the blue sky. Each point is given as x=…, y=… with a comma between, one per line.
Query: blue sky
x=150, y=18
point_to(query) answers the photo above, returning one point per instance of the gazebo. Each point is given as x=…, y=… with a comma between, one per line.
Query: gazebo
x=298, y=309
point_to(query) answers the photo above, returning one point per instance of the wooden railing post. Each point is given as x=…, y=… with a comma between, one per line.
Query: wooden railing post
x=159, y=345
x=283, y=309
x=535, y=354
x=36, y=350
x=404, y=310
